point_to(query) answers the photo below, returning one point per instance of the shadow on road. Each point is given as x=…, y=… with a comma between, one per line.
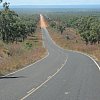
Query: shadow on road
x=12, y=77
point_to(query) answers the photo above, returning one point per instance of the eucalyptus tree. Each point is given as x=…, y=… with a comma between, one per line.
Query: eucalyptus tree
x=61, y=28
x=0, y=1
x=15, y=28
x=88, y=26
x=53, y=24
x=7, y=18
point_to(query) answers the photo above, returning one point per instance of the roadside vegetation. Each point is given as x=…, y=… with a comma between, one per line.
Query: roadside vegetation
x=20, y=40
x=76, y=32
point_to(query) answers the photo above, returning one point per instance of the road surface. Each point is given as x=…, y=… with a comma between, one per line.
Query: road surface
x=61, y=75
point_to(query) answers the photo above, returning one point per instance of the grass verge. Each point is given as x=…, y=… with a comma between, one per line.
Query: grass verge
x=15, y=56
x=71, y=40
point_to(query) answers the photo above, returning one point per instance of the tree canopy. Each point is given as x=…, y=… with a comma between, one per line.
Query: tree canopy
x=88, y=26
x=14, y=28
x=0, y=1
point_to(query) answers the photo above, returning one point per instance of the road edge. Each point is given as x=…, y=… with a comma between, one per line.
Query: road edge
x=48, y=79
x=47, y=54
x=76, y=52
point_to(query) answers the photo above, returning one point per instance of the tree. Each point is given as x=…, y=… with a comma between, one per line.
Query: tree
x=14, y=28
x=6, y=6
x=53, y=24
x=0, y=1
x=7, y=18
x=61, y=28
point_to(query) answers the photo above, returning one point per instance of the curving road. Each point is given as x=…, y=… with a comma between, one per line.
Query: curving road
x=61, y=75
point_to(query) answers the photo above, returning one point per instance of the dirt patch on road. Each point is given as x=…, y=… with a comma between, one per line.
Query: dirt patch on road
x=43, y=23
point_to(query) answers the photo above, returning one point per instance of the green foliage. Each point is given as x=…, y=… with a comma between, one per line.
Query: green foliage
x=61, y=28
x=0, y=1
x=14, y=28
x=87, y=25
x=53, y=24
x=58, y=24
x=28, y=45
x=89, y=29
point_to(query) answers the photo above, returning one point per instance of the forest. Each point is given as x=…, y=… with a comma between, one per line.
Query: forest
x=15, y=28
x=20, y=38
x=87, y=25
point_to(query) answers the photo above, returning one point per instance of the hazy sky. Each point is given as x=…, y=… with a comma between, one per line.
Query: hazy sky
x=53, y=2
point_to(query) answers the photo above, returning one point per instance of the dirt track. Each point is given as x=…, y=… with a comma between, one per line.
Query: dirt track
x=42, y=22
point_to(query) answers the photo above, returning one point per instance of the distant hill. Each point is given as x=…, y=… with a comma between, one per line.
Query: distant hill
x=55, y=6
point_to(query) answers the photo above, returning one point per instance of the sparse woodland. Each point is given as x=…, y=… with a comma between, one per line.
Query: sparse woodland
x=88, y=26
x=14, y=28
x=79, y=31
x=20, y=39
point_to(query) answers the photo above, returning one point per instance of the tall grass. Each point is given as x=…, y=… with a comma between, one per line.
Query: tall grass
x=21, y=54
x=72, y=44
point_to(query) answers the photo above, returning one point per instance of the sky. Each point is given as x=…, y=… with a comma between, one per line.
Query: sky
x=53, y=2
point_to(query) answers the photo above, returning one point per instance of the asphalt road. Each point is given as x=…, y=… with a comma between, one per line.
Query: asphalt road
x=61, y=75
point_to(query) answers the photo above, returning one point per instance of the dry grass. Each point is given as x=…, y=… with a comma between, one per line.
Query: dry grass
x=75, y=43
x=21, y=54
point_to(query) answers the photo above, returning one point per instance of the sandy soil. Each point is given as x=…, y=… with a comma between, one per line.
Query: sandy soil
x=43, y=23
